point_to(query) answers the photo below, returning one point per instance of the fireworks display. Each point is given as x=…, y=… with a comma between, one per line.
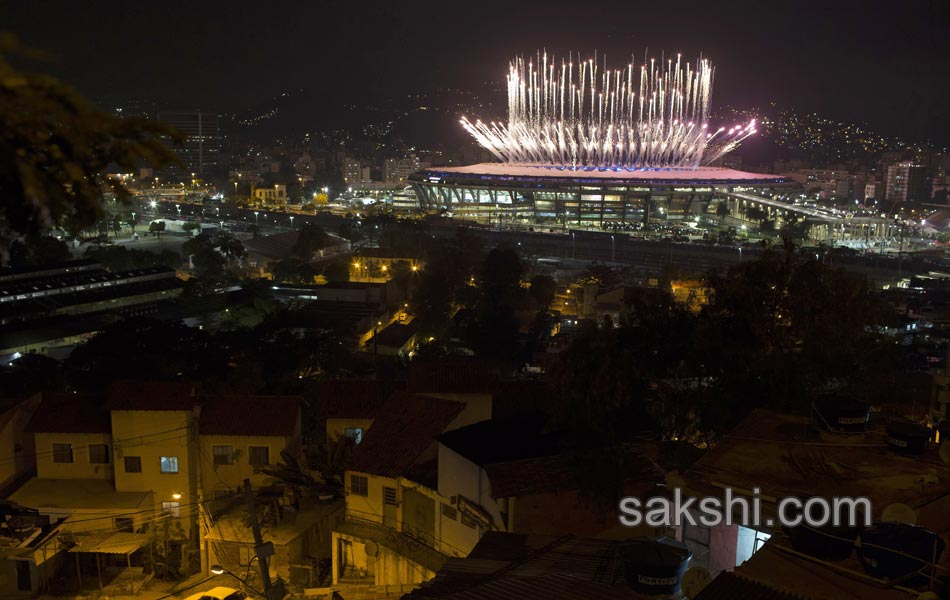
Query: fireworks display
x=584, y=115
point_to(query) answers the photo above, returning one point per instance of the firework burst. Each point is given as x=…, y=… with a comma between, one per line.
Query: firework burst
x=584, y=115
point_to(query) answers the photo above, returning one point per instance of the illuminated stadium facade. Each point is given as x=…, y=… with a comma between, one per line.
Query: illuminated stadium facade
x=593, y=147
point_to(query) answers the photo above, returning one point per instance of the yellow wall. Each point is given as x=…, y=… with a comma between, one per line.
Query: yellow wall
x=12, y=461
x=80, y=468
x=232, y=476
x=151, y=435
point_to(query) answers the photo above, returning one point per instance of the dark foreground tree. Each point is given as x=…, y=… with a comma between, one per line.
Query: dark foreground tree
x=54, y=150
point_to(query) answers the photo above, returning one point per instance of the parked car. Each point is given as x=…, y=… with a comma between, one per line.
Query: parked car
x=219, y=593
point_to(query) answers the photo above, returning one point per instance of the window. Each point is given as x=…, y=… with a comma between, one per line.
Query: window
x=449, y=512
x=389, y=496
x=62, y=453
x=133, y=464
x=169, y=464
x=223, y=455
x=99, y=454
x=259, y=455
x=353, y=434
x=172, y=508
x=468, y=521
x=359, y=485
x=124, y=524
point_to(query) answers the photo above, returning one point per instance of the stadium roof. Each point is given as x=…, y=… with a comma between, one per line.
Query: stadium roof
x=619, y=175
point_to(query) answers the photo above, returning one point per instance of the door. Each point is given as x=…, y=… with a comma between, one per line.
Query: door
x=24, y=581
x=389, y=507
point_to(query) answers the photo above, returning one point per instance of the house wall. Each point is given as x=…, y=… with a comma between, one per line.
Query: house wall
x=388, y=568
x=17, y=447
x=232, y=476
x=151, y=435
x=369, y=507
x=80, y=468
x=458, y=475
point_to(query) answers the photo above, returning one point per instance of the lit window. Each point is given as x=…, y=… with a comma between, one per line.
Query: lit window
x=223, y=455
x=353, y=433
x=359, y=485
x=62, y=453
x=133, y=464
x=99, y=454
x=169, y=464
x=259, y=456
x=172, y=508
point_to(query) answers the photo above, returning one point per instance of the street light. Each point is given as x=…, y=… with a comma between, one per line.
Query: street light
x=256, y=220
x=291, y=222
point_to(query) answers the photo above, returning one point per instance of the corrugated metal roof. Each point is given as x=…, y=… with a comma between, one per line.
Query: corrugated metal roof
x=406, y=426
x=112, y=542
x=729, y=587
x=560, y=586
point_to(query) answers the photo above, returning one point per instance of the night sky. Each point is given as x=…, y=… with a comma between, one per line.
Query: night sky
x=886, y=63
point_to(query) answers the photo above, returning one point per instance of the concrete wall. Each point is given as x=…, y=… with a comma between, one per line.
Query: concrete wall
x=80, y=468
x=151, y=435
x=17, y=448
x=216, y=477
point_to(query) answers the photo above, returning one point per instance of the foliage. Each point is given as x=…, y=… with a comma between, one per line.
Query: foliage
x=157, y=227
x=38, y=250
x=542, y=290
x=55, y=148
x=120, y=258
x=337, y=270
x=311, y=240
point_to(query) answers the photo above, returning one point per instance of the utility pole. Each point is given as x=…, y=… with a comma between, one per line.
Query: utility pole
x=262, y=550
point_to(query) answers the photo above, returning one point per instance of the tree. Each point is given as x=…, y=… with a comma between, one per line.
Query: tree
x=190, y=227
x=38, y=250
x=292, y=270
x=337, y=270
x=54, y=151
x=722, y=211
x=542, y=290
x=310, y=240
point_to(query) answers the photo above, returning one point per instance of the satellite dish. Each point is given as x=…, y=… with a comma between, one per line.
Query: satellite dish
x=945, y=452
x=694, y=580
x=372, y=549
x=899, y=513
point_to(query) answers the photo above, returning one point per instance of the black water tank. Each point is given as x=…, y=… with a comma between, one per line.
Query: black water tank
x=655, y=567
x=826, y=543
x=905, y=436
x=844, y=414
x=894, y=550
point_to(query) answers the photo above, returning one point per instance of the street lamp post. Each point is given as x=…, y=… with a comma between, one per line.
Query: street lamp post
x=291, y=222
x=219, y=570
x=572, y=246
x=256, y=220
x=613, y=250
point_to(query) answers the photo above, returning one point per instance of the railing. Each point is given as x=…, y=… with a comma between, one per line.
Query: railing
x=402, y=535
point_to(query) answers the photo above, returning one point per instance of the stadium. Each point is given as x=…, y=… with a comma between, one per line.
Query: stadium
x=591, y=147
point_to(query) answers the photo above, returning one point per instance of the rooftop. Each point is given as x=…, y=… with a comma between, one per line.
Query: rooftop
x=249, y=415
x=71, y=413
x=76, y=494
x=516, y=439
x=353, y=399
x=784, y=455
x=405, y=428
x=616, y=175
x=512, y=566
x=728, y=586
x=453, y=376
x=394, y=336
x=151, y=395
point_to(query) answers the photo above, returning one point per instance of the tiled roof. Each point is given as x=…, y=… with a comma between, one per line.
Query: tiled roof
x=512, y=439
x=405, y=428
x=151, y=395
x=558, y=472
x=458, y=377
x=353, y=398
x=71, y=413
x=727, y=586
x=249, y=415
